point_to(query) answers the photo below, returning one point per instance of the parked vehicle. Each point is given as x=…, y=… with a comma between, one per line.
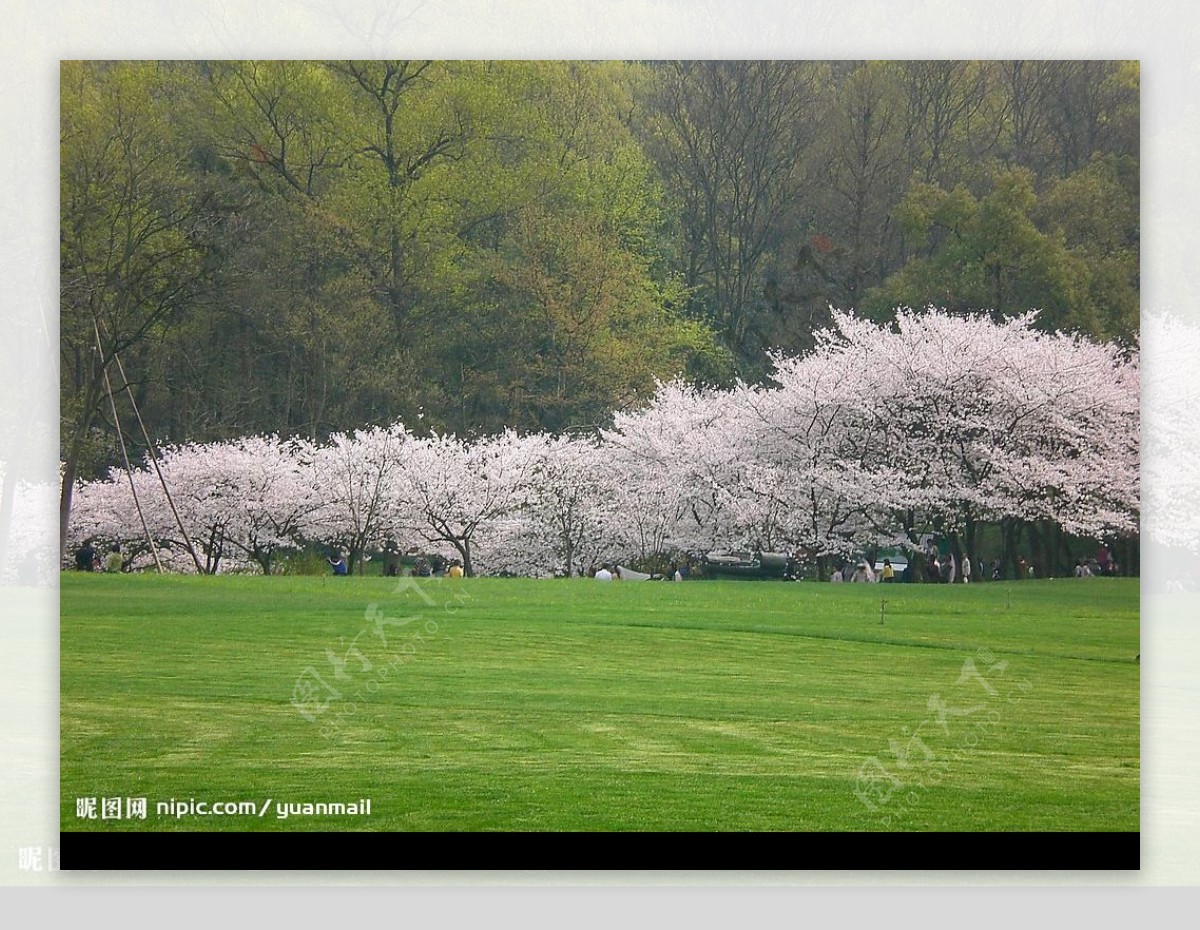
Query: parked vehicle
x=749, y=565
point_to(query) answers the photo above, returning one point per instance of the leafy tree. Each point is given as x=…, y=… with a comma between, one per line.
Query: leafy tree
x=986, y=254
x=1025, y=88
x=989, y=253
x=278, y=121
x=561, y=305
x=946, y=123
x=138, y=236
x=1092, y=107
x=732, y=137
x=1095, y=213
x=867, y=158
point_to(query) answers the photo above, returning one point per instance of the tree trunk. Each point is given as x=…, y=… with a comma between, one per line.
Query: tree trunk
x=956, y=551
x=1010, y=534
x=971, y=544
x=71, y=463
x=1063, y=555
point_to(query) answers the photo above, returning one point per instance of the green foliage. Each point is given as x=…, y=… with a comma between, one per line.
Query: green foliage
x=305, y=246
x=1095, y=212
x=302, y=562
x=1068, y=254
x=140, y=238
x=481, y=243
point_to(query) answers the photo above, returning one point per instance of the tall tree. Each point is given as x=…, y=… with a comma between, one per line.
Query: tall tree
x=866, y=161
x=138, y=237
x=407, y=120
x=989, y=253
x=1025, y=88
x=945, y=99
x=1093, y=106
x=732, y=137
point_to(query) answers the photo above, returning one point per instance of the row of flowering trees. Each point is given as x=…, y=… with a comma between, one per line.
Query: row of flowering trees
x=934, y=423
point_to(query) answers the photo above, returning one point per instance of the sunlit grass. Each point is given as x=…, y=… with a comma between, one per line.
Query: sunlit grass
x=511, y=704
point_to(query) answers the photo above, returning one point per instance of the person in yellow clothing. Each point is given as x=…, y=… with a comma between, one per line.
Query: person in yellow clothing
x=455, y=571
x=887, y=573
x=115, y=561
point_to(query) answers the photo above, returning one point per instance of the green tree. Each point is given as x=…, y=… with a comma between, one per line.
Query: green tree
x=1070, y=255
x=138, y=236
x=983, y=254
x=948, y=121
x=1093, y=107
x=1025, y=87
x=1095, y=211
x=866, y=162
x=560, y=303
x=731, y=138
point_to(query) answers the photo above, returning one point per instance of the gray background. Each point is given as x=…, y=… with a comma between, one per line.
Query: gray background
x=34, y=36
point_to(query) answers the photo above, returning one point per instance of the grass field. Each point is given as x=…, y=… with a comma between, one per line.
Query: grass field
x=512, y=704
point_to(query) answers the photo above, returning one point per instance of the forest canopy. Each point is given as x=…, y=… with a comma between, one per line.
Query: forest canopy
x=306, y=247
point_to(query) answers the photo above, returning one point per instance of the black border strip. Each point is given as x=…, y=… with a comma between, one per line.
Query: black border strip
x=128, y=850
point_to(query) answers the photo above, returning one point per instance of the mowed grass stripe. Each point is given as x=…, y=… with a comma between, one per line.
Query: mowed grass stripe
x=542, y=705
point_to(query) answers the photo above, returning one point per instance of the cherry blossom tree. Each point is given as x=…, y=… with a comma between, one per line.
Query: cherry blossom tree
x=239, y=504
x=277, y=495
x=935, y=422
x=453, y=490
x=206, y=485
x=1072, y=449
x=572, y=517
x=515, y=545
x=977, y=420
x=357, y=479
x=882, y=433
x=106, y=513
x=819, y=454
x=758, y=468
x=932, y=412
x=666, y=469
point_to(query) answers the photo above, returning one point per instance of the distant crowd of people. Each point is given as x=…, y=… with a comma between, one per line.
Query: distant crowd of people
x=934, y=567
x=1102, y=563
x=419, y=564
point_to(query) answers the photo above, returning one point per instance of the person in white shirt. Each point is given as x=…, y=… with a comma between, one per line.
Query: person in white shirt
x=862, y=574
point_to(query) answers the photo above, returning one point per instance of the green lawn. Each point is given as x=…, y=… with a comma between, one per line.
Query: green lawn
x=511, y=704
